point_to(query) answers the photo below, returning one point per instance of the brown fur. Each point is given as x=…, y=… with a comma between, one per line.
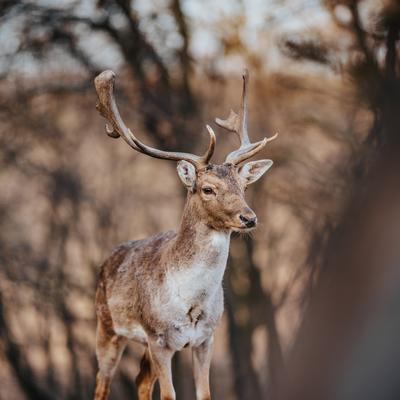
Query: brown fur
x=136, y=270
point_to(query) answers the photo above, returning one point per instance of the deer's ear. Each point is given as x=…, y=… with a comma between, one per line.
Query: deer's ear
x=187, y=173
x=254, y=170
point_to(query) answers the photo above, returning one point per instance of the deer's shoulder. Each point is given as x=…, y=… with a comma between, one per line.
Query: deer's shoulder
x=128, y=254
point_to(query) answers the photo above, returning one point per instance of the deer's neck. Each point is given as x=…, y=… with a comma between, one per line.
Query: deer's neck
x=196, y=242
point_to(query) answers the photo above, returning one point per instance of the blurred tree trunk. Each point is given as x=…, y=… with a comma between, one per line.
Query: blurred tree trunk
x=360, y=271
x=246, y=383
x=259, y=311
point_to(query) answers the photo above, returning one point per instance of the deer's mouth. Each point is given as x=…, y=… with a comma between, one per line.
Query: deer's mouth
x=243, y=229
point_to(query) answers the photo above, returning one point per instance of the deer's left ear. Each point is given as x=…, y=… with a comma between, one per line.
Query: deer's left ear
x=187, y=173
x=254, y=170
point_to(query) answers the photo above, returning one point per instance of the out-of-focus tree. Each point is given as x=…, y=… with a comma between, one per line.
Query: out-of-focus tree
x=348, y=335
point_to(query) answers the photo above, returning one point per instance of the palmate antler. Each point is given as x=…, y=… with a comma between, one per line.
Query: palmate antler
x=237, y=123
x=107, y=107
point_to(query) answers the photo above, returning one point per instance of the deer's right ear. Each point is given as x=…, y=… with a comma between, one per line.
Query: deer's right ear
x=187, y=173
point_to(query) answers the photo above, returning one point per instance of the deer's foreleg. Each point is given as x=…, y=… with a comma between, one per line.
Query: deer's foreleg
x=201, y=367
x=146, y=378
x=161, y=358
x=109, y=348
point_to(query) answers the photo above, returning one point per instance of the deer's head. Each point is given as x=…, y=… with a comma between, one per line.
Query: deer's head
x=217, y=191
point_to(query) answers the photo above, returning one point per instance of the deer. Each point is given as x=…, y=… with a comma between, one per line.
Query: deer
x=165, y=292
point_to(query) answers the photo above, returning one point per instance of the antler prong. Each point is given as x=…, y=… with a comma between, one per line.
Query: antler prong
x=111, y=132
x=271, y=138
x=232, y=123
x=211, y=147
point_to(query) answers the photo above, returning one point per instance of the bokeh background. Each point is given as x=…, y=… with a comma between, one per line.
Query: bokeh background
x=312, y=296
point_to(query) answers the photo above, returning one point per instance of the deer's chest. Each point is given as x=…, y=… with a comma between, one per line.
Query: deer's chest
x=192, y=302
x=193, y=307
x=197, y=279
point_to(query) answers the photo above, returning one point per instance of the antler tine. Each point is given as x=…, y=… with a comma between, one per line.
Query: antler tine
x=237, y=123
x=107, y=107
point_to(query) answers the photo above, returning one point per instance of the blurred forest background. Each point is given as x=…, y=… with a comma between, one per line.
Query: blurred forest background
x=312, y=297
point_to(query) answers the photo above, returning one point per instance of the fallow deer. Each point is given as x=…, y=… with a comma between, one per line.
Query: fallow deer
x=165, y=291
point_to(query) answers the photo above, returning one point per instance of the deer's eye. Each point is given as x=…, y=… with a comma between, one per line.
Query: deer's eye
x=208, y=190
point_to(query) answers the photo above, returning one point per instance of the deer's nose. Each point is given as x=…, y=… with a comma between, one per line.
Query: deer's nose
x=249, y=222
